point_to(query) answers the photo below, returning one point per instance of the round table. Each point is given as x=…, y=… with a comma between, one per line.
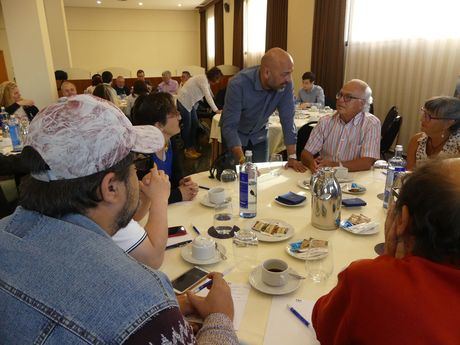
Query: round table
x=347, y=247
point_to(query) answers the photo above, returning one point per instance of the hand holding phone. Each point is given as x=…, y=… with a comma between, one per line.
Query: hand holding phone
x=189, y=279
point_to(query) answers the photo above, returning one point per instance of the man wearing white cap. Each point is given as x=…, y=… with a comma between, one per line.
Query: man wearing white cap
x=62, y=278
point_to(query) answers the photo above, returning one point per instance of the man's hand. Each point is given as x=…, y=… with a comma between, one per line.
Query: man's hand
x=219, y=111
x=218, y=300
x=305, y=105
x=296, y=165
x=325, y=163
x=155, y=185
x=189, y=192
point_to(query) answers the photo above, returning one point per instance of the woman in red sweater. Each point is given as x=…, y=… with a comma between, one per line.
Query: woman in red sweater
x=410, y=295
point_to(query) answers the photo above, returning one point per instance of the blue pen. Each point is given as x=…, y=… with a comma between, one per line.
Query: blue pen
x=209, y=282
x=297, y=315
x=196, y=229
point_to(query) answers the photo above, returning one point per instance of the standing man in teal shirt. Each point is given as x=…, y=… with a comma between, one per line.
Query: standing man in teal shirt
x=252, y=96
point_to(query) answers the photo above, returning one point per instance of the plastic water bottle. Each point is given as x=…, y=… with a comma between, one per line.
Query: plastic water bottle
x=15, y=136
x=396, y=165
x=248, y=187
x=4, y=123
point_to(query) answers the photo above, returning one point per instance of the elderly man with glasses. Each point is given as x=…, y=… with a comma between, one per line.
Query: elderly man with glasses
x=350, y=137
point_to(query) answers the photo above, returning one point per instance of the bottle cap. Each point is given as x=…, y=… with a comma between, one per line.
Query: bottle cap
x=399, y=148
x=248, y=153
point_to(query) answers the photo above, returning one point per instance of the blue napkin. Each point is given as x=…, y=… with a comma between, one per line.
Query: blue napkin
x=291, y=198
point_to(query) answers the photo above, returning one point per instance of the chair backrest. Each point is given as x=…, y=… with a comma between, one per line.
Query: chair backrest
x=116, y=71
x=194, y=70
x=390, y=134
x=228, y=69
x=302, y=137
x=391, y=115
x=77, y=73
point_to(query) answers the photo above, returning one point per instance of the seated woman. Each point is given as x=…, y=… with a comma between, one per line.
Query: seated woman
x=96, y=79
x=440, y=134
x=139, y=88
x=158, y=109
x=409, y=295
x=11, y=99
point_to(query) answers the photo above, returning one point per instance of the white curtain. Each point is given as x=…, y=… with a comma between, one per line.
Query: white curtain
x=210, y=37
x=407, y=51
x=254, y=29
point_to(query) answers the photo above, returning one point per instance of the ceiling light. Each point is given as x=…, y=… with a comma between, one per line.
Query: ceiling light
x=98, y=2
x=180, y=5
x=141, y=3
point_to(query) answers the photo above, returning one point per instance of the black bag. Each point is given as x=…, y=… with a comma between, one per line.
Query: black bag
x=223, y=161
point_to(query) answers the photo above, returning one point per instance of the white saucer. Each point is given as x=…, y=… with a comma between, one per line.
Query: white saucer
x=205, y=201
x=186, y=253
x=263, y=237
x=373, y=231
x=304, y=184
x=303, y=203
x=255, y=279
x=303, y=255
x=345, y=180
x=346, y=190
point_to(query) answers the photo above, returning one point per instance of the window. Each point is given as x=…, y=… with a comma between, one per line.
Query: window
x=210, y=37
x=255, y=23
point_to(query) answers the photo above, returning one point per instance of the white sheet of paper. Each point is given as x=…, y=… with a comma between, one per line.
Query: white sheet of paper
x=282, y=324
x=240, y=293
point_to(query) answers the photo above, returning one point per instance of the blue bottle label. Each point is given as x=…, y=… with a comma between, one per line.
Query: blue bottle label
x=243, y=190
x=14, y=135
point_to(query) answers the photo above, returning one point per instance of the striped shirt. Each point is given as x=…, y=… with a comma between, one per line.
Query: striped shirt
x=339, y=141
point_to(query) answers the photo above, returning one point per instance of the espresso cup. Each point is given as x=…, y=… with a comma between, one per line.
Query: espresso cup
x=216, y=195
x=274, y=272
x=341, y=172
x=203, y=248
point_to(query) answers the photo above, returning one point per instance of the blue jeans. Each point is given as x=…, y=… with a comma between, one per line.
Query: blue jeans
x=259, y=151
x=189, y=125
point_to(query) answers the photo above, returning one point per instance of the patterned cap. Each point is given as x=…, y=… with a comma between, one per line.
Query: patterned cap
x=85, y=135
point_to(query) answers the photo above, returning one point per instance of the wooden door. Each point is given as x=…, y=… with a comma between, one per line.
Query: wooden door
x=3, y=72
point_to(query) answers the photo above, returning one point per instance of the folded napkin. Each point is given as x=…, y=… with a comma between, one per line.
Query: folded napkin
x=362, y=228
x=291, y=198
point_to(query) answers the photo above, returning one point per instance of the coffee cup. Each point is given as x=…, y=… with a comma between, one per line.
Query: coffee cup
x=274, y=272
x=203, y=248
x=216, y=195
x=341, y=173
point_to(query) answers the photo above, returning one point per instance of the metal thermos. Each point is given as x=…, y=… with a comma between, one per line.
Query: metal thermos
x=326, y=200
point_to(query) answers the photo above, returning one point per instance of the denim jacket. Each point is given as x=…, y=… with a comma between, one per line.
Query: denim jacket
x=64, y=281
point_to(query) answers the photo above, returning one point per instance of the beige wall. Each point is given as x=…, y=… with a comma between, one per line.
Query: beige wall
x=133, y=38
x=300, y=36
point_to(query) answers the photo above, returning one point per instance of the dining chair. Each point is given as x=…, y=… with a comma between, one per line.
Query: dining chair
x=390, y=129
x=302, y=137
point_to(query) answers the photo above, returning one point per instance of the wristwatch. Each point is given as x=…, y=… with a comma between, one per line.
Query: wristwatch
x=292, y=156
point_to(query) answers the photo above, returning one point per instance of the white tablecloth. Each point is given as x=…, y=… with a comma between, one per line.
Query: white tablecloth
x=275, y=132
x=346, y=247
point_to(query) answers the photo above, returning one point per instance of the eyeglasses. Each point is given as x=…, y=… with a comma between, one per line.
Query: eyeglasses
x=346, y=97
x=428, y=117
x=143, y=164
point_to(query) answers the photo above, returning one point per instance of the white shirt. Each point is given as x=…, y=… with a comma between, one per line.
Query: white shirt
x=129, y=237
x=195, y=89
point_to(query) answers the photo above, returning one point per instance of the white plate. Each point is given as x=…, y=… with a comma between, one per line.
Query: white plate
x=301, y=256
x=346, y=190
x=186, y=253
x=205, y=201
x=304, y=184
x=372, y=231
x=287, y=205
x=261, y=236
x=345, y=180
x=255, y=279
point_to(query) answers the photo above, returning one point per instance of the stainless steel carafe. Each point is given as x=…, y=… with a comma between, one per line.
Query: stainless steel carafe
x=326, y=199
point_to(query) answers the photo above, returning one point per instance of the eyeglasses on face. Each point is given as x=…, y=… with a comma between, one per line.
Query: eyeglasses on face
x=428, y=117
x=346, y=97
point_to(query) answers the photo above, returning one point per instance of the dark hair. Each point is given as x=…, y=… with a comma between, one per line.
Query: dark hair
x=214, y=74
x=445, y=106
x=186, y=72
x=152, y=108
x=433, y=200
x=60, y=75
x=107, y=77
x=140, y=71
x=61, y=197
x=103, y=92
x=140, y=88
x=310, y=76
x=96, y=79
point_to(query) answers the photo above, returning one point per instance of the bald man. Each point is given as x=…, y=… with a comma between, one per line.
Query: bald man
x=252, y=96
x=68, y=89
x=350, y=137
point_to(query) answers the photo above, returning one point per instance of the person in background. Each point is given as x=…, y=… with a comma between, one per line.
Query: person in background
x=104, y=91
x=409, y=295
x=107, y=79
x=68, y=89
x=71, y=205
x=60, y=76
x=120, y=87
x=168, y=84
x=310, y=93
x=440, y=136
x=252, y=96
x=158, y=109
x=139, y=88
x=96, y=79
x=141, y=76
x=189, y=95
x=184, y=77
x=350, y=137
x=11, y=99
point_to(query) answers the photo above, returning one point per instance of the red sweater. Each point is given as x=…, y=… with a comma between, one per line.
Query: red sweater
x=391, y=301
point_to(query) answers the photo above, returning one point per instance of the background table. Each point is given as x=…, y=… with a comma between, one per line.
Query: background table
x=346, y=246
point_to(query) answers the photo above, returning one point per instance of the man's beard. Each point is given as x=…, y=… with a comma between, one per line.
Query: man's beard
x=129, y=209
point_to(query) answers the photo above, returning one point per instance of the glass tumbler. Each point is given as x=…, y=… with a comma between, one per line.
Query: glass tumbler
x=319, y=262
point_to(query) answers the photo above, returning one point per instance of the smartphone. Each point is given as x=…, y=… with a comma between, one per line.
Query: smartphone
x=176, y=230
x=189, y=279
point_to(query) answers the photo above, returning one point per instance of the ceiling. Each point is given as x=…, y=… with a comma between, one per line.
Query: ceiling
x=134, y=4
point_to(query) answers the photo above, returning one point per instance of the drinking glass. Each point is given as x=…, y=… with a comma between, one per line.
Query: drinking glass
x=319, y=262
x=275, y=164
x=245, y=250
x=223, y=218
x=229, y=179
